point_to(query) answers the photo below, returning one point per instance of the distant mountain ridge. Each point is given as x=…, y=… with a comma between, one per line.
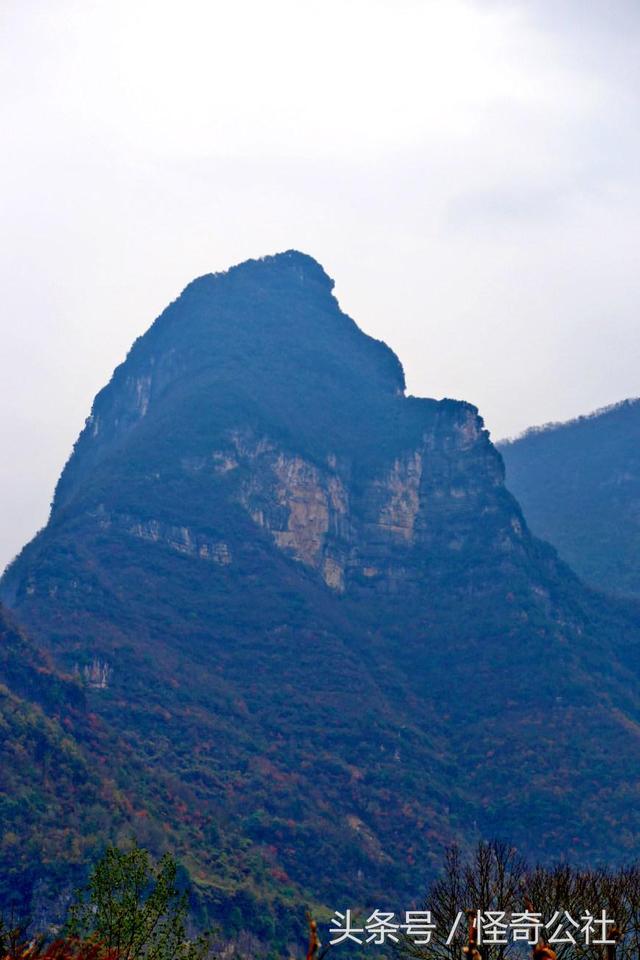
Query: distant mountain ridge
x=331, y=638
x=558, y=424
x=579, y=484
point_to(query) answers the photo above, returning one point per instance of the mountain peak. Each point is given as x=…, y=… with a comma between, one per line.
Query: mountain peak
x=301, y=266
x=291, y=266
x=264, y=342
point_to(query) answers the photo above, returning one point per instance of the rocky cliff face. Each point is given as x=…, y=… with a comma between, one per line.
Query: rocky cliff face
x=329, y=635
x=376, y=530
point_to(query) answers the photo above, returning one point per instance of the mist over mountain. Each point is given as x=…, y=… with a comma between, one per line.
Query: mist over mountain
x=579, y=485
x=328, y=639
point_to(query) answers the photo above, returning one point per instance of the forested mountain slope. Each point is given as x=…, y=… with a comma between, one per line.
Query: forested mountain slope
x=579, y=485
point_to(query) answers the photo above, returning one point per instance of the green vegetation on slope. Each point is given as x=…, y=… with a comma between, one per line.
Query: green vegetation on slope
x=579, y=486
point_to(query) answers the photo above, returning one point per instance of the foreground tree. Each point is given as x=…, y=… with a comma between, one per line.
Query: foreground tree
x=494, y=885
x=491, y=880
x=135, y=909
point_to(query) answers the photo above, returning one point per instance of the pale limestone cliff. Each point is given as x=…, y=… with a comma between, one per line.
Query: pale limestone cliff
x=314, y=514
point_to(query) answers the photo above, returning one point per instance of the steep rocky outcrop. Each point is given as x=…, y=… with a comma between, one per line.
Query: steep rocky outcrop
x=329, y=633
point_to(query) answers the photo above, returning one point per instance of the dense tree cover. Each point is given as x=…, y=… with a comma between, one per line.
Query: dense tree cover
x=55, y=802
x=68, y=783
x=579, y=484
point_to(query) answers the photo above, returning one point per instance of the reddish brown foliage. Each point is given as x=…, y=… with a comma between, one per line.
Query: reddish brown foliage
x=68, y=949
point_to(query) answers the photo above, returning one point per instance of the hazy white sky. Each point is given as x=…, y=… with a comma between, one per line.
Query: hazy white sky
x=468, y=172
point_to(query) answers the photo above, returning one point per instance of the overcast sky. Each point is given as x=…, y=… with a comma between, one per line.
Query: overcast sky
x=468, y=172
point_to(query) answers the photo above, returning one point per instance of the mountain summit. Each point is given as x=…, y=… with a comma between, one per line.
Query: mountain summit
x=332, y=643
x=263, y=344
